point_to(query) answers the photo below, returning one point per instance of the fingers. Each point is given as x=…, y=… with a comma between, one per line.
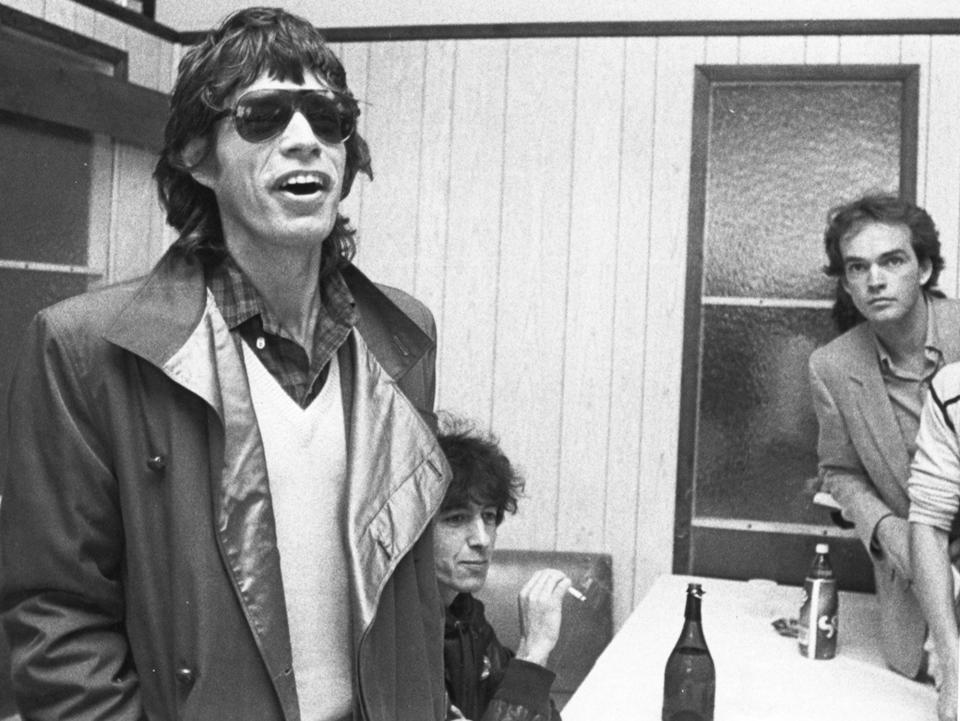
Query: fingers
x=545, y=584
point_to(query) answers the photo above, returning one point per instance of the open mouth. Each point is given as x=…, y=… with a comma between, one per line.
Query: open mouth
x=302, y=184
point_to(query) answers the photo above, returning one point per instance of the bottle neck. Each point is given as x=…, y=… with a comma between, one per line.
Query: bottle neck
x=692, y=610
x=691, y=636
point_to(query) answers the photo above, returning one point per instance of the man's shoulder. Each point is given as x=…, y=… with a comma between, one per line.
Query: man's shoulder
x=843, y=352
x=93, y=311
x=411, y=306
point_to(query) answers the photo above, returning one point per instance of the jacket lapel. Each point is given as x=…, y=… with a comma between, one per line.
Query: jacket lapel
x=875, y=408
x=387, y=441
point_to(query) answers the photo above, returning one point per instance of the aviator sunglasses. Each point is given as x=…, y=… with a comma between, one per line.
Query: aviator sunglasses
x=260, y=115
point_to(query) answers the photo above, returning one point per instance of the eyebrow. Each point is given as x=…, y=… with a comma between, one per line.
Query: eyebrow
x=882, y=256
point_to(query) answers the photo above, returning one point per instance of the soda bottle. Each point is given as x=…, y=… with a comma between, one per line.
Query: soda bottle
x=821, y=605
x=689, y=681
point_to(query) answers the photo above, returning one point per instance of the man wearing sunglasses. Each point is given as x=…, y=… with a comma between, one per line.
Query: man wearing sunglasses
x=221, y=477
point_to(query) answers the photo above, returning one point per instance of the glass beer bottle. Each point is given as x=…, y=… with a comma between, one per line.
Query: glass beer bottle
x=689, y=682
x=818, y=625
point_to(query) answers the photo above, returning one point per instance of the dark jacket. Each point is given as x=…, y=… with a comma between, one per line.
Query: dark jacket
x=484, y=680
x=141, y=578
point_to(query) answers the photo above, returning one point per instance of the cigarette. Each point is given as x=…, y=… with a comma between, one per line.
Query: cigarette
x=576, y=594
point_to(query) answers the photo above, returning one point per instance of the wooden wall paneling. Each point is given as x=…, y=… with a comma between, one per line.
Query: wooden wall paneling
x=101, y=205
x=144, y=59
x=821, y=49
x=84, y=21
x=528, y=375
x=943, y=156
x=434, y=179
x=666, y=271
x=630, y=337
x=134, y=218
x=31, y=7
x=915, y=50
x=110, y=31
x=60, y=12
x=870, y=49
x=166, y=68
x=584, y=465
x=355, y=57
x=723, y=50
x=772, y=49
x=393, y=131
x=473, y=234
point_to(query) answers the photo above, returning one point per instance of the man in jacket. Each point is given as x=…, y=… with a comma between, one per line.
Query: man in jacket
x=221, y=477
x=869, y=385
x=484, y=680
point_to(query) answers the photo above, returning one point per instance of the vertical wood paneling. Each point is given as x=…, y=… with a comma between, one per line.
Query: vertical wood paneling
x=434, y=181
x=473, y=234
x=133, y=248
x=943, y=158
x=868, y=49
x=60, y=12
x=84, y=20
x=915, y=50
x=584, y=471
x=666, y=271
x=533, y=265
x=110, y=31
x=31, y=7
x=722, y=50
x=764, y=49
x=144, y=59
x=631, y=306
x=393, y=131
x=821, y=50
x=354, y=58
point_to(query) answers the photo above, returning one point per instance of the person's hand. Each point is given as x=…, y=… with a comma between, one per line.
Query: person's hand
x=947, y=698
x=893, y=537
x=540, y=604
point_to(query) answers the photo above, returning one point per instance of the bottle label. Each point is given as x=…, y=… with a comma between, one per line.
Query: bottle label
x=818, y=618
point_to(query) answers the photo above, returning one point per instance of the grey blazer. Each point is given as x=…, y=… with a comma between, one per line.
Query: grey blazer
x=865, y=465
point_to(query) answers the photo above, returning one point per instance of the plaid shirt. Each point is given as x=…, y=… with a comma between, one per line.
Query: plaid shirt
x=249, y=318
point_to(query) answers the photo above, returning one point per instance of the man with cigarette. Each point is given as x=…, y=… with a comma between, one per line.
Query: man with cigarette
x=484, y=680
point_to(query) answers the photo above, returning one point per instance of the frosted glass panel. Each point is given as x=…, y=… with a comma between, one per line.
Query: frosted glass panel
x=780, y=155
x=44, y=191
x=758, y=432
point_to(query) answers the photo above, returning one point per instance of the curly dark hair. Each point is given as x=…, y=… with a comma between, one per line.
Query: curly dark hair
x=481, y=471
x=844, y=221
x=246, y=45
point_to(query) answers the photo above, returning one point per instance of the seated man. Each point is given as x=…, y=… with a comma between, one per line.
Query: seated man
x=484, y=680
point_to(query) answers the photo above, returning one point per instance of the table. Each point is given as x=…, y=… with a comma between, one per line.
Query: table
x=760, y=674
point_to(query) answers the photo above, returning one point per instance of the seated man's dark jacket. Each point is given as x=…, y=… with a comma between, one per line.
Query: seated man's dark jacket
x=484, y=680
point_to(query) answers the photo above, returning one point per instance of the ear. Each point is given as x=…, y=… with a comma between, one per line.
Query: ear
x=196, y=161
x=926, y=270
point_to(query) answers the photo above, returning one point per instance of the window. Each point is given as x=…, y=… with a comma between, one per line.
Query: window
x=775, y=147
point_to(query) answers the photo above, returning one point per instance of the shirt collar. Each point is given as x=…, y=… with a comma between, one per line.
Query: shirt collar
x=239, y=300
x=931, y=344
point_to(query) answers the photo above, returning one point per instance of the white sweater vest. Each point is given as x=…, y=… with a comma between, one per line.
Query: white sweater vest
x=306, y=456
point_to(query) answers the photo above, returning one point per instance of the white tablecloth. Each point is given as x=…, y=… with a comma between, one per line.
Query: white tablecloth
x=760, y=674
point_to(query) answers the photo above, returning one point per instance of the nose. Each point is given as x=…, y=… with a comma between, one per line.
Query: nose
x=875, y=276
x=479, y=536
x=298, y=136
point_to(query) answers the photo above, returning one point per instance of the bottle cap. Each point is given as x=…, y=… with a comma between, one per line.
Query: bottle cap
x=823, y=548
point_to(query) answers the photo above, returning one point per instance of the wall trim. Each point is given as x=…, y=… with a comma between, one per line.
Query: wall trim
x=946, y=26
